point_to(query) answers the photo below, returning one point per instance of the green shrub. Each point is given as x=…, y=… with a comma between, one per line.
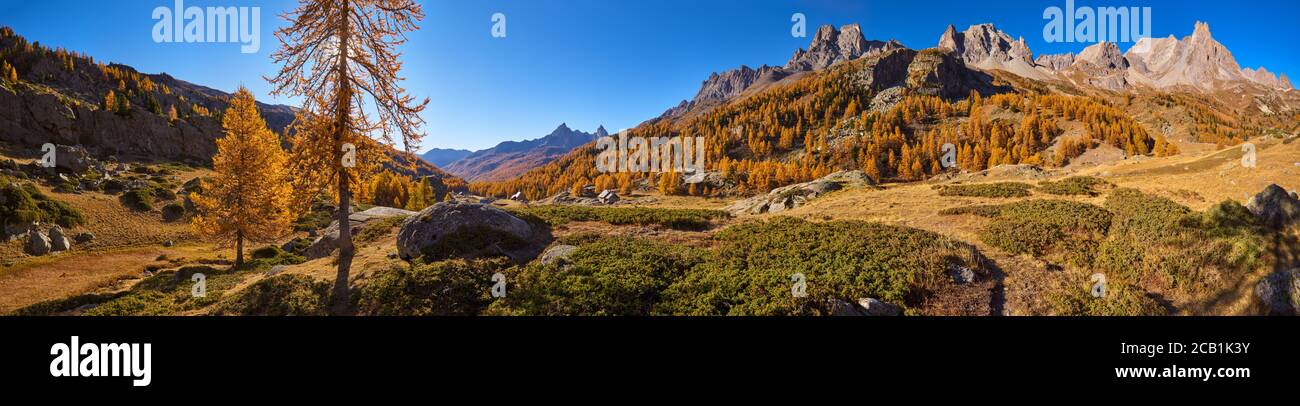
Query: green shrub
x=749, y=272
x=1075, y=185
x=989, y=210
x=173, y=212
x=377, y=229
x=280, y=295
x=1069, y=231
x=269, y=251
x=446, y=288
x=1121, y=299
x=999, y=189
x=139, y=199
x=609, y=276
x=57, y=306
x=141, y=303
x=25, y=204
x=680, y=219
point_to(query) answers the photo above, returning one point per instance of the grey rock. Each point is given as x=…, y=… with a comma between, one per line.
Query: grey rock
x=1275, y=207
x=557, y=254
x=37, y=243
x=1280, y=292
x=876, y=307
x=327, y=241
x=838, y=307
x=792, y=196
x=607, y=196
x=431, y=227
x=82, y=238
x=961, y=275
x=58, y=240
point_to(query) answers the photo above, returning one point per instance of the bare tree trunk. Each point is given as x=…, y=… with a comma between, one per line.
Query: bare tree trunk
x=239, y=249
x=340, y=298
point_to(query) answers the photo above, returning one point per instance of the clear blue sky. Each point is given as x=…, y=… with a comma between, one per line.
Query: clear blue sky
x=611, y=62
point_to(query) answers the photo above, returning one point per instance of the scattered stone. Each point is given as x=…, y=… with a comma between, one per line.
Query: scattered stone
x=37, y=243
x=607, y=196
x=327, y=241
x=792, y=196
x=169, y=243
x=1280, y=292
x=557, y=254
x=842, y=308
x=961, y=275
x=1275, y=207
x=875, y=307
x=58, y=240
x=275, y=270
x=83, y=238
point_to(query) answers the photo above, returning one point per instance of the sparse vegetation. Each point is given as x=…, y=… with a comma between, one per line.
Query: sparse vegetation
x=1000, y=189
x=1075, y=185
x=681, y=219
x=443, y=288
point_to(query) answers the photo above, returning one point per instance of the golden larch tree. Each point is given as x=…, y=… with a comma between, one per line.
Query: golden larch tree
x=248, y=196
x=341, y=57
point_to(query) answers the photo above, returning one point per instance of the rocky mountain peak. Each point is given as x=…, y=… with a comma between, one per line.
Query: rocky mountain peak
x=1201, y=31
x=601, y=132
x=831, y=46
x=1103, y=55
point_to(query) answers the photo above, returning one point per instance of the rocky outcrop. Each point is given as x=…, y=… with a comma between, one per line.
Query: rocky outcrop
x=468, y=230
x=327, y=241
x=1275, y=207
x=38, y=243
x=831, y=46
x=792, y=196
x=1266, y=78
x=727, y=85
x=986, y=47
x=1279, y=293
x=938, y=73
x=1056, y=62
x=59, y=240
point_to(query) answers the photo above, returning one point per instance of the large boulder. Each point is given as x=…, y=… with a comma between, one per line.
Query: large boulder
x=327, y=241
x=468, y=230
x=37, y=243
x=1275, y=207
x=72, y=158
x=792, y=196
x=1280, y=292
x=59, y=240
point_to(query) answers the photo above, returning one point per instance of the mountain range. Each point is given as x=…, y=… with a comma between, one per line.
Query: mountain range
x=511, y=158
x=1196, y=63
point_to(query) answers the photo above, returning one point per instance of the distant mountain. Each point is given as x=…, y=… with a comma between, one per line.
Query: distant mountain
x=512, y=158
x=441, y=157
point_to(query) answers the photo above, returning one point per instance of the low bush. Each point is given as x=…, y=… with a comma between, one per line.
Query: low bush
x=445, y=288
x=1075, y=185
x=377, y=229
x=750, y=270
x=608, y=276
x=680, y=219
x=1120, y=299
x=280, y=295
x=1069, y=231
x=998, y=190
x=141, y=199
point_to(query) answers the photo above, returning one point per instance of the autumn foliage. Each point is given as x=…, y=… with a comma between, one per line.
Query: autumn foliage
x=247, y=198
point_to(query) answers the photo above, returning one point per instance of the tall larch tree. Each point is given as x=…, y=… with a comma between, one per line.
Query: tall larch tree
x=341, y=57
x=248, y=196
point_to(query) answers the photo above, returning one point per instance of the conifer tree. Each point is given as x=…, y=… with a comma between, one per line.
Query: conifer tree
x=247, y=198
x=341, y=56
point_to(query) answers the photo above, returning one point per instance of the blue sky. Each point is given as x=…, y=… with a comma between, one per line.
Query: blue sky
x=611, y=62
